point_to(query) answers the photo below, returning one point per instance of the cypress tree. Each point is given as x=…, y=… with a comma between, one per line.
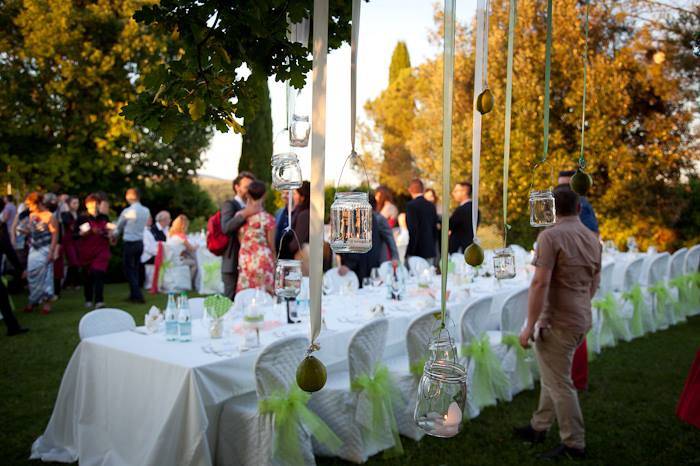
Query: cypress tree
x=256, y=149
x=400, y=60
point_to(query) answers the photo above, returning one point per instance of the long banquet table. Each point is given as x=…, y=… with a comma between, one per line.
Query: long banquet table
x=129, y=398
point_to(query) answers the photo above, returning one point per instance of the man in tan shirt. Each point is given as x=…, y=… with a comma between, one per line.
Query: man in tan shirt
x=567, y=274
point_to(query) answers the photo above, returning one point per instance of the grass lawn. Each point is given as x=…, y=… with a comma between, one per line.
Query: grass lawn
x=629, y=410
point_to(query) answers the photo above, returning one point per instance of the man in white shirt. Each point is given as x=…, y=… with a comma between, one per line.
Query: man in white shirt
x=131, y=224
x=152, y=235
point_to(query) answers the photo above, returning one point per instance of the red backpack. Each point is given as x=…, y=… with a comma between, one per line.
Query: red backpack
x=217, y=240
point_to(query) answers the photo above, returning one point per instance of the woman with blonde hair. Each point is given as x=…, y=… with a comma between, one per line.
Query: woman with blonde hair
x=43, y=250
x=181, y=250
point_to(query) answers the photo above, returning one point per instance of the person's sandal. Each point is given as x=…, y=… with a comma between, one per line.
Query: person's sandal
x=46, y=308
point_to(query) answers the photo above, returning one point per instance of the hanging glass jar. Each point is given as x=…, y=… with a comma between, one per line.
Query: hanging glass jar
x=442, y=397
x=288, y=278
x=542, y=209
x=504, y=263
x=299, y=130
x=286, y=172
x=351, y=223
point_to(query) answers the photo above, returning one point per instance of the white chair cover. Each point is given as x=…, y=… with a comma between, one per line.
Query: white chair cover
x=196, y=307
x=606, y=278
x=246, y=437
x=692, y=260
x=676, y=266
x=344, y=410
x=337, y=283
x=417, y=264
x=644, y=274
x=633, y=273
x=208, y=272
x=104, y=321
x=473, y=320
x=176, y=277
x=148, y=270
x=658, y=270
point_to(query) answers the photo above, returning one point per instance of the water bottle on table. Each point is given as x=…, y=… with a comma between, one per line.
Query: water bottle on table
x=171, y=319
x=184, y=319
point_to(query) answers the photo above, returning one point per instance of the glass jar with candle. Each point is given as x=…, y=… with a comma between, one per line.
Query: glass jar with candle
x=286, y=172
x=442, y=397
x=253, y=322
x=351, y=223
x=504, y=263
x=288, y=278
x=542, y=208
x=299, y=130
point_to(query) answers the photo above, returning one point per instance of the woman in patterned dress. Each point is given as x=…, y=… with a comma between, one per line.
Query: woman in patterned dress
x=43, y=250
x=256, y=259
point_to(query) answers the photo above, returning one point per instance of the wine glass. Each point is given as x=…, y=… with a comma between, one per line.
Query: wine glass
x=375, y=277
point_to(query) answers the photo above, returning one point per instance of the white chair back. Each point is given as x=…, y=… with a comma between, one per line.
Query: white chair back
x=276, y=365
x=514, y=311
x=386, y=269
x=417, y=264
x=104, y=321
x=245, y=297
x=692, y=260
x=606, y=278
x=645, y=273
x=196, y=307
x=366, y=347
x=676, y=265
x=633, y=272
x=659, y=268
x=418, y=335
x=474, y=318
x=336, y=283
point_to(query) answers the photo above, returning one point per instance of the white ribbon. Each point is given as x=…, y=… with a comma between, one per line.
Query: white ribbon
x=296, y=32
x=318, y=153
x=447, y=88
x=355, y=37
x=480, y=72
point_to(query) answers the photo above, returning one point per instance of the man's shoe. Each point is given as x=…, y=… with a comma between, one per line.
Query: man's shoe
x=562, y=452
x=99, y=305
x=19, y=331
x=88, y=305
x=529, y=434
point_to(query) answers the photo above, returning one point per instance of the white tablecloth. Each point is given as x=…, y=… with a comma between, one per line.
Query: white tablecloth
x=133, y=399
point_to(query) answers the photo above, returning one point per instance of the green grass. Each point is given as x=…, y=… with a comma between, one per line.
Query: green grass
x=629, y=410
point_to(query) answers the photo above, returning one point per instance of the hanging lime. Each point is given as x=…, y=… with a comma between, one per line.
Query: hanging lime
x=484, y=103
x=474, y=255
x=581, y=182
x=311, y=374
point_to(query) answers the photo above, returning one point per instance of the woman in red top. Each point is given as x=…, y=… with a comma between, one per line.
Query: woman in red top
x=92, y=233
x=70, y=244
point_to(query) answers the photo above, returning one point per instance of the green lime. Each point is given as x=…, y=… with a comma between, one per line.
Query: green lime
x=474, y=255
x=581, y=182
x=311, y=374
x=484, y=103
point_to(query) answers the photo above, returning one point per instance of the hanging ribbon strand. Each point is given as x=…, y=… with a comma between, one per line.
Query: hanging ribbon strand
x=547, y=73
x=581, y=158
x=509, y=97
x=353, y=70
x=447, y=90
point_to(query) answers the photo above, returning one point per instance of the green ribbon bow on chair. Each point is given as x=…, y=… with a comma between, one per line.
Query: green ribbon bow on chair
x=612, y=326
x=663, y=297
x=164, y=267
x=417, y=367
x=683, y=284
x=289, y=412
x=381, y=394
x=523, y=368
x=489, y=382
x=211, y=275
x=636, y=297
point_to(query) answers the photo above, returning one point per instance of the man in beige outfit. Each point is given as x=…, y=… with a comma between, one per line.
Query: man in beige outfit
x=567, y=274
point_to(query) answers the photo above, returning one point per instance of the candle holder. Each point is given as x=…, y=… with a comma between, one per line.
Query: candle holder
x=351, y=223
x=442, y=396
x=288, y=278
x=542, y=208
x=299, y=130
x=286, y=172
x=504, y=263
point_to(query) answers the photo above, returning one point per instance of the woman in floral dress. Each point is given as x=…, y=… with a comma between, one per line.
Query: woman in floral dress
x=256, y=259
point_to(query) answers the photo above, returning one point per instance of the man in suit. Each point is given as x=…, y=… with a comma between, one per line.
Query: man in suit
x=233, y=215
x=421, y=218
x=461, y=234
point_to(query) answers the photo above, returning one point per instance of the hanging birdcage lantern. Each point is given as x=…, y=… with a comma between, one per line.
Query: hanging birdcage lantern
x=504, y=264
x=288, y=278
x=286, y=172
x=299, y=130
x=542, y=208
x=351, y=223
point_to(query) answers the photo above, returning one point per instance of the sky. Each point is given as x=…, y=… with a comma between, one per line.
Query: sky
x=382, y=24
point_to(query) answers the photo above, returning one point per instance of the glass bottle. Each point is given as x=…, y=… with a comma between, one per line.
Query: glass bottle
x=184, y=319
x=171, y=319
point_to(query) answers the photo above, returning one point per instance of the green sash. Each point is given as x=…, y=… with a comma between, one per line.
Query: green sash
x=663, y=297
x=523, y=368
x=612, y=325
x=289, y=411
x=636, y=297
x=489, y=382
x=211, y=275
x=681, y=307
